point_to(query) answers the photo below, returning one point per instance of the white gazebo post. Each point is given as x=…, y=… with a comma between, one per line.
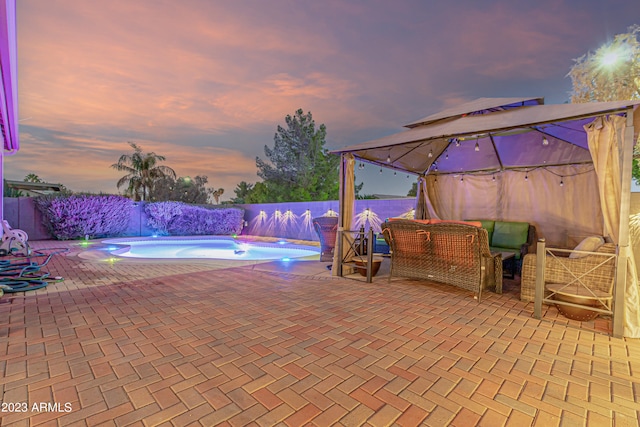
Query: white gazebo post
x=626, y=159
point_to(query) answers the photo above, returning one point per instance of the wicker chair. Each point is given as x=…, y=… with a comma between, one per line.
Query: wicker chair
x=454, y=254
x=327, y=229
x=600, y=278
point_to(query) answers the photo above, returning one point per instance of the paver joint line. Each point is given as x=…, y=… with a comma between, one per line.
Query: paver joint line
x=149, y=343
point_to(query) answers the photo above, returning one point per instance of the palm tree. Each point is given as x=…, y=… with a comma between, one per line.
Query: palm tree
x=142, y=171
x=32, y=177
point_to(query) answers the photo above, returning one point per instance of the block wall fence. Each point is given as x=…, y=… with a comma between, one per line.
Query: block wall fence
x=286, y=220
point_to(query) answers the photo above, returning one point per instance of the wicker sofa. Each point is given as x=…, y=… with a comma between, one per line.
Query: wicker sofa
x=600, y=278
x=453, y=253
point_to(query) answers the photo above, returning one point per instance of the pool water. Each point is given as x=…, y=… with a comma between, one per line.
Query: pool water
x=226, y=248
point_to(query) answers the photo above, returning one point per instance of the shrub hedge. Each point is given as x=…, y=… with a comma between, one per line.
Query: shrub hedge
x=76, y=216
x=180, y=219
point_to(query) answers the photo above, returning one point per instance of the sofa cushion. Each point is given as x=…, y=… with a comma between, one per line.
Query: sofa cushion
x=421, y=221
x=510, y=235
x=455, y=221
x=589, y=244
x=487, y=224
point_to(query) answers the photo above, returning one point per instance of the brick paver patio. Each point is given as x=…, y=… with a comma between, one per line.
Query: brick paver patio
x=177, y=344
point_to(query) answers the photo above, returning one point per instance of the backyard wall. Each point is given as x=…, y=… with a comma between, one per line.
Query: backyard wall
x=287, y=220
x=22, y=213
x=293, y=220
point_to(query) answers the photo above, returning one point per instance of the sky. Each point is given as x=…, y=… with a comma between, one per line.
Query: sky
x=206, y=83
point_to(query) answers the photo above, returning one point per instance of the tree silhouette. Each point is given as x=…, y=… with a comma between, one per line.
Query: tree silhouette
x=142, y=170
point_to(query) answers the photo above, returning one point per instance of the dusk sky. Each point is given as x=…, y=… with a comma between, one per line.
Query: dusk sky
x=206, y=83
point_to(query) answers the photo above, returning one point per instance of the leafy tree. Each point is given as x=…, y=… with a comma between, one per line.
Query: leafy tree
x=142, y=171
x=413, y=191
x=258, y=194
x=216, y=194
x=298, y=167
x=184, y=189
x=242, y=191
x=610, y=73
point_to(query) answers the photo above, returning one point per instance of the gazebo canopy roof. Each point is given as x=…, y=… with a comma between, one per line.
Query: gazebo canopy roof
x=490, y=135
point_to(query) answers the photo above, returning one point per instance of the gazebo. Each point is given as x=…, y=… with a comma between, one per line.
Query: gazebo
x=565, y=168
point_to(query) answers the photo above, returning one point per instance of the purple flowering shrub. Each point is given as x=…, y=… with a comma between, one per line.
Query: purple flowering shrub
x=179, y=219
x=74, y=217
x=160, y=214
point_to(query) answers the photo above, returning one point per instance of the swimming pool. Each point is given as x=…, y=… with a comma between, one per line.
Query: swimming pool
x=214, y=247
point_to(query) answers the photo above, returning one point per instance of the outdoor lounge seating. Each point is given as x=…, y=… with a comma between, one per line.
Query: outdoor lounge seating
x=327, y=229
x=510, y=236
x=564, y=270
x=453, y=253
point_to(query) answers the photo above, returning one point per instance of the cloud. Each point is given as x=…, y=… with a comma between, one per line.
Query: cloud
x=207, y=82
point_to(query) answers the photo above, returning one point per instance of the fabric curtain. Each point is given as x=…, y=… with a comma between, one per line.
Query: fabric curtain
x=424, y=207
x=606, y=137
x=533, y=196
x=347, y=202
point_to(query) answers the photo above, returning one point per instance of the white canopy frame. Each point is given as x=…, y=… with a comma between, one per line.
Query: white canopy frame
x=498, y=128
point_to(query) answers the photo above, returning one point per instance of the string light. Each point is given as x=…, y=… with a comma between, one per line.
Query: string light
x=545, y=141
x=561, y=181
x=380, y=171
x=493, y=178
x=447, y=156
x=477, y=147
x=430, y=153
x=526, y=177
x=389, y=158
x=395, y=173
x=457, y=142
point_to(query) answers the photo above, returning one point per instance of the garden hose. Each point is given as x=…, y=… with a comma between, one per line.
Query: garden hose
x=21, y=275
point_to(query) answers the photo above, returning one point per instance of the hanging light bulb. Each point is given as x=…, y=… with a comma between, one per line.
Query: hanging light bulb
x=395, y=173
x=461, y=178
x=493, y=177
x=457, y=142
x=447, y=156
x=389, y=158
x=380, y=171
x=430, y=153
x=477, y=147
x=561, y=182
x=545, y=141
x=526, y=177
